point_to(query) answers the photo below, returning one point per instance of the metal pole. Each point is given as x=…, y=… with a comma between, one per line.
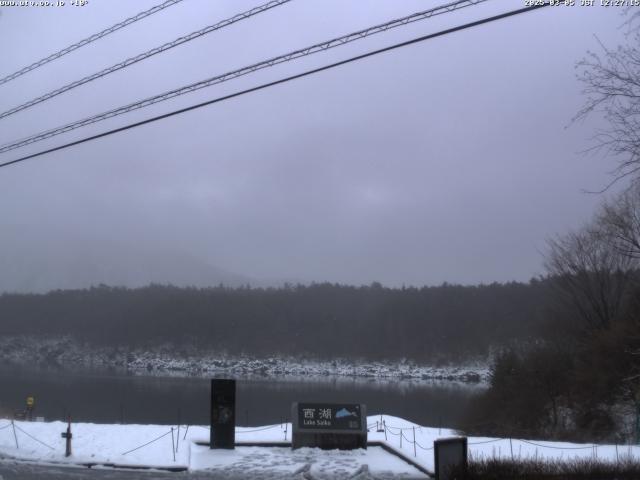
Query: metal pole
x=415, y=454
x=178, y=434
x=14, y=434
x=173, y=446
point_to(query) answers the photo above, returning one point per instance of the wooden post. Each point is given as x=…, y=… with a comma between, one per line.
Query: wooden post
x=511, y=446
x=401, y=439
x=67, y=452
x=384, y=425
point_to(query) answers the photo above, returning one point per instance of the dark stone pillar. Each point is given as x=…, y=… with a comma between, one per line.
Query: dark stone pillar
x=223, y=414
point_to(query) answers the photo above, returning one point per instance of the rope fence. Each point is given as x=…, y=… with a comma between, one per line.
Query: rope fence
x=404, y=428
x=558, y=448
x=380, y=426
x=148, y=443
x=258, y=429
x=32, y=437
x=423, y=448
x=415, y=444
x=487, y=441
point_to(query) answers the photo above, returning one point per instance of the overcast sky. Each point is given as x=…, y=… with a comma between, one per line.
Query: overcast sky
x=448, y=160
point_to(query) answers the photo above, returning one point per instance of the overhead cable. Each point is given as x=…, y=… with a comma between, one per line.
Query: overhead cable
x=88, y=40
x=143, y=56
x=280, y=81
x=319, y=47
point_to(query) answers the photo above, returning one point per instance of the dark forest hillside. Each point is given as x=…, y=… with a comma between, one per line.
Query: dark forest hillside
x=447, y=322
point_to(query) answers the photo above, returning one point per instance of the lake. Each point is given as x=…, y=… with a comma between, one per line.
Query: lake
x=118, y=397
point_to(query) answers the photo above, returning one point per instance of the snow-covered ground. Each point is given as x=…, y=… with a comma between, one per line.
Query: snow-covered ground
x=167, y=359
x=156, y=445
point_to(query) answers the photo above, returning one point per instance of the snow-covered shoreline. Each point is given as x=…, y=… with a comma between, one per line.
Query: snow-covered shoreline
x=155, y=446
x=168, y=360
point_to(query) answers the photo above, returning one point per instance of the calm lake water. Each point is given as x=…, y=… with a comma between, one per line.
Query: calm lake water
x=102, y=397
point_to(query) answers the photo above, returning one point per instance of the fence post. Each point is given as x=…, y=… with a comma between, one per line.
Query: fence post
x=511, y=446
x=14, y=434
x=415, y=454
x=68, y=436
x=401, y=435
x=173, y=446
x=178, y=434
x=637, y=422
x=384, y=424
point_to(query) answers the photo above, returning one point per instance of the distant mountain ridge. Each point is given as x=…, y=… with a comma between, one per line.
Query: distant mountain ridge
x=37, y=270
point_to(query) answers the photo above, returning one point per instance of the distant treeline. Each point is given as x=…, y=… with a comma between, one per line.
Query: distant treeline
x=447, y=322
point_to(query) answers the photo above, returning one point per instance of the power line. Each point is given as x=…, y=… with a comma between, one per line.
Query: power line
x=88, y=40
x=283, y=80
x=320, y=47
x=143, y=56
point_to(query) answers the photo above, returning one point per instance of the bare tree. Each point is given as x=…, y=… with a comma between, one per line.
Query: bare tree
x=612, y=85
x=590, y=274
x=620, y=220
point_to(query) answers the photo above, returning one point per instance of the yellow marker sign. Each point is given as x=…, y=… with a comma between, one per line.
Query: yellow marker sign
x=30, y=401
